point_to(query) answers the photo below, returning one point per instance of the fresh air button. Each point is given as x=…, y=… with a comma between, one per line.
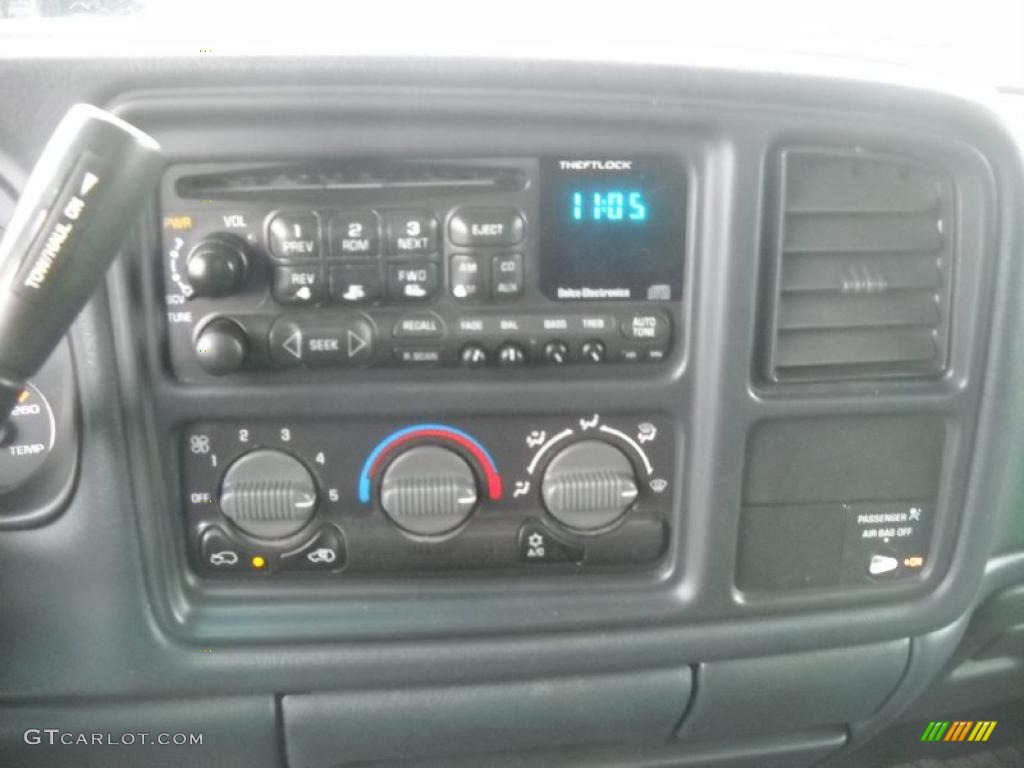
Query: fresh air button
x=411, y=232
x=507, y=276
x=339, y=341
x=411, y=282
x=295, y=236
x=486, y=226
x=422, y=325
x=298, y=285
x=354, y=235
x=356, y=283
x=468, y=276
x=645, y=326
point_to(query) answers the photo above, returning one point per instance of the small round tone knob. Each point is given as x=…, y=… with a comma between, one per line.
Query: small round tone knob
x=556, y=352
x=216, y=265
x=473, y=356
x=428, y=491
x=221, y=347
x=268, y=494
x=589, y=485
x=511, y=355
x=592, y=351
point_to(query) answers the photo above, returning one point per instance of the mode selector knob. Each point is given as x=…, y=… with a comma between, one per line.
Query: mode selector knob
x=428, y=491
x=268, y=494
x=216, y=266
x=589, y=485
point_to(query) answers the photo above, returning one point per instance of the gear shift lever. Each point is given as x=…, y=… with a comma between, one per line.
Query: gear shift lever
x=87, y=189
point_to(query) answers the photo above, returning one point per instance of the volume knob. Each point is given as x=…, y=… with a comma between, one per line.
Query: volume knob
x=216, y=266
x=428, y=491
x=589, y=485
x=268, y=494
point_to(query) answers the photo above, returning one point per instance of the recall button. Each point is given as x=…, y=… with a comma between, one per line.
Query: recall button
x=423, y=325
x=486, y=226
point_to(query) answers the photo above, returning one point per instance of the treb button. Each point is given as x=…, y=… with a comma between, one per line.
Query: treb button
x=486, y=226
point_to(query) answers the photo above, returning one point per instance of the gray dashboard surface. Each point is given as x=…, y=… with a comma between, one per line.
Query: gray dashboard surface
x=90, y=608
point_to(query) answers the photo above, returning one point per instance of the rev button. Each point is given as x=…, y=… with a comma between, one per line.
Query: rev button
x=345, y=341
x=299, y=285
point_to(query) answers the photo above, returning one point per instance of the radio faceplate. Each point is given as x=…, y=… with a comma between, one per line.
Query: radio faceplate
x=384, y=262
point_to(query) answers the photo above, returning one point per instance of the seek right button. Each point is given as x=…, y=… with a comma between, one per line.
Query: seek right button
x=645, y=326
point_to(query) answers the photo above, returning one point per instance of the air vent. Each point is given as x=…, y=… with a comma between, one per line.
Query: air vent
x=862, y=267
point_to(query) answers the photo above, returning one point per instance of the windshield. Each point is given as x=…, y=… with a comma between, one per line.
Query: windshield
x=981, y=41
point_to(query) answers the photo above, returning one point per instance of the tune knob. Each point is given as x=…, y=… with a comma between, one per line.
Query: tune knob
x=216, y=266
x=589, y=485
x=221, y=347
x=268, y=494
x=428, y=491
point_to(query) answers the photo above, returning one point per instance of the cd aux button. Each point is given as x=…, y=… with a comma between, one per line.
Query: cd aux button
x=507, y=276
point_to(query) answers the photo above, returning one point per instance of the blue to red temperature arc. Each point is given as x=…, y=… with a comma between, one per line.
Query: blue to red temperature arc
x=437, y=432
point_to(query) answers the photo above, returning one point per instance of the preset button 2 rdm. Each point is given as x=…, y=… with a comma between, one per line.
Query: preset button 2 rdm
x=516, y=261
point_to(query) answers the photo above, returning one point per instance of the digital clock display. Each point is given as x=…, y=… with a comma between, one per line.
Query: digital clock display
x=612, y=228
x=611, y=205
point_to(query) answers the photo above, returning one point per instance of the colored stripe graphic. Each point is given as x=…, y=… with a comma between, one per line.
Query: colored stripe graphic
x=441, y=431
x=982, y=730
x=935, y=730
x=958, y=731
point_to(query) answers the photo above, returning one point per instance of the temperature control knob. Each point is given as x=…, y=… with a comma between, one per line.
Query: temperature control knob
x=268, y=494
x=216, y=266
x=428, y=491
x=589, y=485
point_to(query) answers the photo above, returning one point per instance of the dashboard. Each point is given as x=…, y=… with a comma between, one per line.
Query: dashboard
x=472, y=414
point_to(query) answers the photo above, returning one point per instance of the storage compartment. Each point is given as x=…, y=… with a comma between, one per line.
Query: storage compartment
x=793, y=692
x=323, y=730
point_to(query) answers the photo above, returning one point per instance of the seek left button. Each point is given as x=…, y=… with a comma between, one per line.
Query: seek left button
x=341, y=341
x=299, y=285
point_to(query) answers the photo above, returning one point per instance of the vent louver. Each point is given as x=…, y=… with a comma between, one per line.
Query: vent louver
x=862, y=267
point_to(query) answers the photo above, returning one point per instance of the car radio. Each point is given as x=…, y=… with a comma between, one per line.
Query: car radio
x=411, y=262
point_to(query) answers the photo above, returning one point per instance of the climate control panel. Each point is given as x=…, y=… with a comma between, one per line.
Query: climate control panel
x=489, y=494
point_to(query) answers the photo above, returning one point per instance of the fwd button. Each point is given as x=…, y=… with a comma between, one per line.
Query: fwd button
x=298, y=341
